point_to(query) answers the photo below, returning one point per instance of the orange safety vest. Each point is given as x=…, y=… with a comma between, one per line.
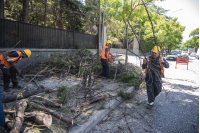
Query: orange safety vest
x=162, y=69
x=103, y=52
x=14, y=59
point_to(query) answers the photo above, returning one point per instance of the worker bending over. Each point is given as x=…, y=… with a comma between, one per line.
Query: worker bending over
x=104, y=59
x=154, y=71
x=9, y=71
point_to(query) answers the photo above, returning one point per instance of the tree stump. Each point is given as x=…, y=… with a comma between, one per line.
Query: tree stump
x=39, y=118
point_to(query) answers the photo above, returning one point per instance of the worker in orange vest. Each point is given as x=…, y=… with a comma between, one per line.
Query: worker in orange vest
x=104, y=59
x=8, y=70
x=153, y=74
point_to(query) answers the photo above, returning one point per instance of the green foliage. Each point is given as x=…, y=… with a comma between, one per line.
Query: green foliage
x=58, y=63
x=194, y=41
x=62, y=93
x=132, y=75
x=124, y=95
x=101, y=107
x=194, y=33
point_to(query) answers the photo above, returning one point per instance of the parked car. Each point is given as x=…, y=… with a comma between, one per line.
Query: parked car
x=184, y=53
x=193, y=54
x=172, y=56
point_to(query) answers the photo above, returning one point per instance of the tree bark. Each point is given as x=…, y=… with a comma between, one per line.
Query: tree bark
x=1, y=9
x=39, y=118
x=48, y=103
x=53, y=113
x=45, y=13
x=12, y=97
x=24, y=128
x=20, y=107
x=94, y=100
x=25, y=11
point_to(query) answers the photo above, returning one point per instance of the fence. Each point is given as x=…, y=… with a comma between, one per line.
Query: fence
x=34, y=36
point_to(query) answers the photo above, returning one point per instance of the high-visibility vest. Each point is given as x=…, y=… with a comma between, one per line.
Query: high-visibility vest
x=14, y=59
x=162, y=69
x=103, y=52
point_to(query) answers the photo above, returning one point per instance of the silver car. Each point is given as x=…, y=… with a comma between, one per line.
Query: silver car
x=172, y=56
x=193, y=54
x=184, y=53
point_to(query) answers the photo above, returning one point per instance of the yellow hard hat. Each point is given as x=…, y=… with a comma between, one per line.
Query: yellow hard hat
x=109, y=42
x=156, y=49
x=27, y=52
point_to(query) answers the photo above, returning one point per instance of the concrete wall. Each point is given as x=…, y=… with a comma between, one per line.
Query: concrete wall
x=44, y=54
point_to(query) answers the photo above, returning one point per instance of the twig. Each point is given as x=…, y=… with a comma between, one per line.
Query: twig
x=151, y=22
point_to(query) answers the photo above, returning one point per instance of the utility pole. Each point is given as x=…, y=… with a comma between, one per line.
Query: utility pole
x=45, y=13
x=102, y=29
x=126, y=44
x=99, y=40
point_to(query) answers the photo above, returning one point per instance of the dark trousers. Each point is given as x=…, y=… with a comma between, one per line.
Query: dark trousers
x=153, y=91
x=2, y=119
x=7, y=75
x=106, y=68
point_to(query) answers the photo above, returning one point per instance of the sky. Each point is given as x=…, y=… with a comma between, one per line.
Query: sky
x=187, y=12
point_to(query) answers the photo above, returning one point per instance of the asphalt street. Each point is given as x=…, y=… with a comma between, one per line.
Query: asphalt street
x=176, y=108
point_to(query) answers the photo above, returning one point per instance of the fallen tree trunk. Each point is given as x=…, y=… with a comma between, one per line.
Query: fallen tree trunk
x=94, y=100
x=24, y=128
x=39, y=117
x=48, y=103
x=52, y=112
x=20, y=107
x=12, y=97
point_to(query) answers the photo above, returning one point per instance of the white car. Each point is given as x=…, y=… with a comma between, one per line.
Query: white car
x=193, y=54
x=184, y=53
x=172, y=56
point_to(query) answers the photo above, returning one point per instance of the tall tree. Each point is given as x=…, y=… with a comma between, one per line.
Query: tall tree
x=1, y=9
x=194, y=41
x=25, y=11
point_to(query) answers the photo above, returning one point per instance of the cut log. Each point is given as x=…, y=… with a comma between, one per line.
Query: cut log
x=94, y=100
x=9, y=112
x=53, y=113
x=39, y=118
x=24, y=128
x=9, y=123
x=48, y=103
x=20, y=107
x=12, y=97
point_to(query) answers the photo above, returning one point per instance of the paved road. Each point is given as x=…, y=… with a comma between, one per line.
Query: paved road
x=176, y=109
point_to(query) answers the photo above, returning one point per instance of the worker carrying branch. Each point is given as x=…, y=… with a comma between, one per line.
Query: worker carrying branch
x=105, y=58
x=7, y=64
x=154, y=71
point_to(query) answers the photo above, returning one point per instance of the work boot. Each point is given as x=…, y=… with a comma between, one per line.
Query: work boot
x=6, y=89
x=150, y=105
x=17, y=86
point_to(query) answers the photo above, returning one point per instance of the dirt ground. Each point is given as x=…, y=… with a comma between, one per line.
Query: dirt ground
x=73, y=95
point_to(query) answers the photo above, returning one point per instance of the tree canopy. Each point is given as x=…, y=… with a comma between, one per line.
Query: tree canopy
x=83, y=17
x=194, y=41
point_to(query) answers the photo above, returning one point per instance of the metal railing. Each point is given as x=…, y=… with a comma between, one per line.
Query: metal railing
x=34, y=36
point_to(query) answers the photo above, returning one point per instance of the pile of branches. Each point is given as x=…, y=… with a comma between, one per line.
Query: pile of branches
x=130, y=74
x=79, y=64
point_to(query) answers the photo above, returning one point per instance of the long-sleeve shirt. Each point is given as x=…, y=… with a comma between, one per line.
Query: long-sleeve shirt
x=154, y=69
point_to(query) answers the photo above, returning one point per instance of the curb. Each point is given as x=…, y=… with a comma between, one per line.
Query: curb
x=94, y=120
